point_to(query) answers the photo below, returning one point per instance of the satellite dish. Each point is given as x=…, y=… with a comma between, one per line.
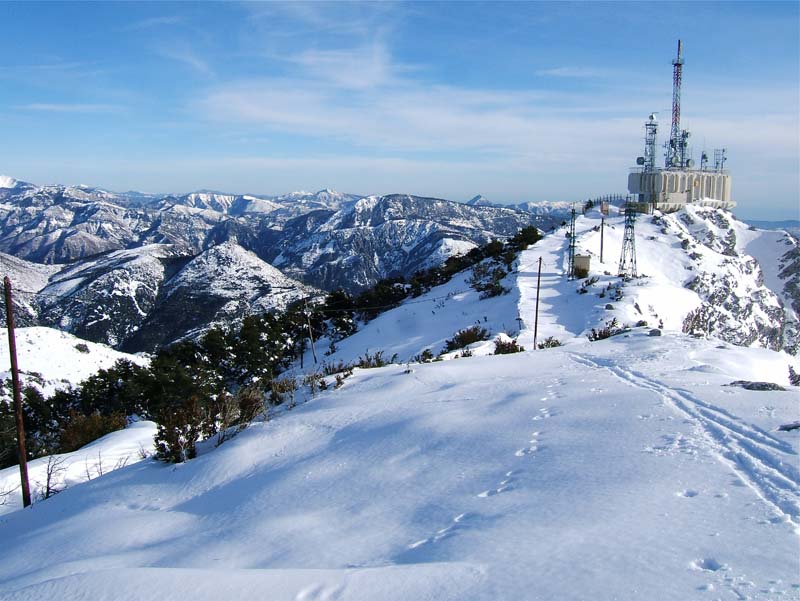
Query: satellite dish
x=690, y=163
x=640, y=160
x=674, y=161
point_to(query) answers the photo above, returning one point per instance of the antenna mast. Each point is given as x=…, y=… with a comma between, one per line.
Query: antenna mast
x=676, y=153
x=627, y=261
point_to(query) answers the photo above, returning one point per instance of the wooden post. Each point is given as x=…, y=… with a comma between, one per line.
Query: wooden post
x=536, y=321
x=12, y=349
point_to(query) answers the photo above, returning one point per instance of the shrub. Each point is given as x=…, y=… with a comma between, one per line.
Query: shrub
x=283, y=389
x=426, y=356
x=794, y=377
x=549, y=342
x=82, y=429
x=506, y=347
x=331, y=369
x=524, y=238
x=486, y=278
x=376, y=360
x=179, y=429
x=341, y=377
x=314, y=381
x=251, y=402
x=464, y=337
x=612, y=328
x=81, y=347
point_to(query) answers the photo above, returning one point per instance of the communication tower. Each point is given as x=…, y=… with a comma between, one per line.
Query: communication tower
x=676, y=147
x=719, y=159
x=648, y=161
x=678, y=182
x=627, y=260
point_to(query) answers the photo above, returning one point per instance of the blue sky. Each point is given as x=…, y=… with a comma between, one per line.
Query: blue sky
x=515, y=101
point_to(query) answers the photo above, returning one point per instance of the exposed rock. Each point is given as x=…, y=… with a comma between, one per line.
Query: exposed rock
x=762, y=386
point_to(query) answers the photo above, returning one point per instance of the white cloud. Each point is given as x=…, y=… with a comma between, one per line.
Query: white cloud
x=154, y=22
x=185, y=55
x=365, y=67
x=577, y=72
x=51, y=107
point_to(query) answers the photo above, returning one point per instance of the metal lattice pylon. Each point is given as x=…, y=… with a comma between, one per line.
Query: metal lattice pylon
x=571, y=258
x=627, y=261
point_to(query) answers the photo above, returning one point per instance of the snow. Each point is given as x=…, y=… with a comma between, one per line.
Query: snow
x=111, y=452
x=626, y=468
x=7, y=182
x=57, y=357
x=599, y=470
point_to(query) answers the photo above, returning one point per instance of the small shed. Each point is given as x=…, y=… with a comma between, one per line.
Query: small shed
x=582, y=264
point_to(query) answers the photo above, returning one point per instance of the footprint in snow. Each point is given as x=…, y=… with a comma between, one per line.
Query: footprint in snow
x=502, y=487
x=459, y=522
x=526, y=451
x=318, y=592
x=544, y=413
x=708, y=564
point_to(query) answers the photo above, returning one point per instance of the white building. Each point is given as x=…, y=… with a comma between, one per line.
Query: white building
x=668, y=190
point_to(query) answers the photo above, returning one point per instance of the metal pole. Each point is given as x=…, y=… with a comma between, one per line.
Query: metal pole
x=12, y=349
x=536, y=321
x=602, y=229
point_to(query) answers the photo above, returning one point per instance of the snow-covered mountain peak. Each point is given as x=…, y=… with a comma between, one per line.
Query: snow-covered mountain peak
x=7, y=182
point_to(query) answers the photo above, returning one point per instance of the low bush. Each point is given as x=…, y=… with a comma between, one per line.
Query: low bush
x=282, y=390
x=549, y=342
x=612, y=328
x=486, y=278
x=179, y=429
x=506, y=347
x=82, y=429
x=465, y=337
x=425, y=356
x=794, y=377
x=375, y=360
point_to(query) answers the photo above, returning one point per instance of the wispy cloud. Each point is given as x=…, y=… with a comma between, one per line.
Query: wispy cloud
x=50, y=107
x=354, y=20
x=154, y=22
x=365, y=67
x=577, y=72
x=186, y=56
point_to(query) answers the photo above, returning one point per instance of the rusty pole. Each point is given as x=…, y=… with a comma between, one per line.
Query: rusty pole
x=12, y=349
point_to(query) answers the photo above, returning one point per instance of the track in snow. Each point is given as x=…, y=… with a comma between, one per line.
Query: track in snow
x=754, y=455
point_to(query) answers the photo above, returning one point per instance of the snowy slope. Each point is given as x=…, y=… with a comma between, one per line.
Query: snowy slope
x=662, y=297
x=54, y=359
x=106, y=454
x=623, y=469
x=49, y=359
x=627, y=468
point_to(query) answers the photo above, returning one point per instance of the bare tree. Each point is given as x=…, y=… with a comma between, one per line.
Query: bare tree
x=53, y=483
x=5, y=494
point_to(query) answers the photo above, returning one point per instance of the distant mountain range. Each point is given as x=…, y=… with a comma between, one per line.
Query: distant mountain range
x=790, y=225
x=138, y=270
